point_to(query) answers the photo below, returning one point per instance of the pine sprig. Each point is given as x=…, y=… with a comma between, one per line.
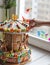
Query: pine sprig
x=8, y=4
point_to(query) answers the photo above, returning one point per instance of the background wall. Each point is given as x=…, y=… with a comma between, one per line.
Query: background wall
x=1, y=11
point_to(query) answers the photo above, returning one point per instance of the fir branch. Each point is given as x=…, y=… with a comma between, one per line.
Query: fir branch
x=9, y=3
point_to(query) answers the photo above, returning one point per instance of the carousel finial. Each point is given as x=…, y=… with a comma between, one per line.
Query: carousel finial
x=14, y=17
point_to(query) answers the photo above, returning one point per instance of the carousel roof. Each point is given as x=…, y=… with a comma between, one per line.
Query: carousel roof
x=13, y=26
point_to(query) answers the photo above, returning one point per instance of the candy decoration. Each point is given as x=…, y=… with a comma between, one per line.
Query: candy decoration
x=28, y=10
x=5, y=21
x=42, y=35
x=19, y=59
x=15, y=26
x=22, y=59
x=49, y=39
x=15, y=55
x=46, y=35
x=29, y=51
x=14, y=17
x=11, y=55
x=42, y=32
x=38, y=33
x=21, y=27
x=11, y=60
x=7, y=55
x=28, y=56
x=23, y=54
x=25, y=58
x=23, y=18
x=1, y=53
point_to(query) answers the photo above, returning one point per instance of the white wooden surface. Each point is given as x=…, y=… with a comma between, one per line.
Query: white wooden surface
x=39, y=57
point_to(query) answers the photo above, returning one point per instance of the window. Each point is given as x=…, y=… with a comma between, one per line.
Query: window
x=22, y=6
x=41, y=9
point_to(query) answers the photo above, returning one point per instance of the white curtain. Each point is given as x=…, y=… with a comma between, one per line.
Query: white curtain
x=41, y=9
x=34, y=8
x=21, y=9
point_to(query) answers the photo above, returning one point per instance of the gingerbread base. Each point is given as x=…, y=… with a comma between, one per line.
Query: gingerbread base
x=19, y=63
x=15, y=48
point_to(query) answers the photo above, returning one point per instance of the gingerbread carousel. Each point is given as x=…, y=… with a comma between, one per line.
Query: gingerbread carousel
x=14, y=47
